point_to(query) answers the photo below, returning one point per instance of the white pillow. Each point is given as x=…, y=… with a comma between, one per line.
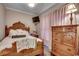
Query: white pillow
x=19, y=31
x=26, y=32
x=12, y=32
x=22, y=32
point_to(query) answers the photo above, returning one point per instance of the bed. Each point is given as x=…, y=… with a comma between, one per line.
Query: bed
x=38, y=51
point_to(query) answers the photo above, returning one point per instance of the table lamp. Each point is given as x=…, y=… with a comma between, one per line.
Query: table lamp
x=70, y=10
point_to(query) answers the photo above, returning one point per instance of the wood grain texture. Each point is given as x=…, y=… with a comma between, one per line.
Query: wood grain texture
x=16, y=25
x=25, y=52
x=64, y=40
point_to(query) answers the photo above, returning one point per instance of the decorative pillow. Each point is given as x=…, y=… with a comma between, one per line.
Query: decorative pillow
x=18, y=36
x=19, y=31
x=26, y=32
x=22, y=32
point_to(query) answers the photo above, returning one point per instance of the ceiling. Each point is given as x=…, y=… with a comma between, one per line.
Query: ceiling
x=23, y=7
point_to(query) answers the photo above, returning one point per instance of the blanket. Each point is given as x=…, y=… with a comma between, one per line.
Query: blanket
x=29, y=42
x=21, y=43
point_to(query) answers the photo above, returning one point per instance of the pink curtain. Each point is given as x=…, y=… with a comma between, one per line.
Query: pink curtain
x=59, y=17
x=48, y=19
x=45, y=27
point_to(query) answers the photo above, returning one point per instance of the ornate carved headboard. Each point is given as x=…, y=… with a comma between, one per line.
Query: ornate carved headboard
x=17, y=25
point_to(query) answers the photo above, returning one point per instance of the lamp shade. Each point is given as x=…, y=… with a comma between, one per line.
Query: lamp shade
x=71, y=8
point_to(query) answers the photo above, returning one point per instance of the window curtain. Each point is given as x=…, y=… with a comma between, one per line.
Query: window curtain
x=48, y=19
x=58, y=17
x=45, y=27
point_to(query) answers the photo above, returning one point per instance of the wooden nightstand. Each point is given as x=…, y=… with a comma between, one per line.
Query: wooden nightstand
x=35, y=35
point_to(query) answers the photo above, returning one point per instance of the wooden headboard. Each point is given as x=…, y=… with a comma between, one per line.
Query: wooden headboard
x=17, y=25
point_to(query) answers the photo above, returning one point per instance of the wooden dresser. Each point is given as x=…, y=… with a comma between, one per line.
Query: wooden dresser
x=65, y=40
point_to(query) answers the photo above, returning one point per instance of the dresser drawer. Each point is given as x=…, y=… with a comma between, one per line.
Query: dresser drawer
x=57, y=36
x=69, y=29
x=63, y=50
x=56, y=39
x=60, y=52
x=57, y=29
x=55, y=46
x=63, y=53
x=68, y=49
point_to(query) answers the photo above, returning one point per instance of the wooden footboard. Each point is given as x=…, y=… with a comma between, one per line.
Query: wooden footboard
x=26, y=52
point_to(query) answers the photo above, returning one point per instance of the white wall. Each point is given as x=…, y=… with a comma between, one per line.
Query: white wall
x=2, y=22
x=13, y=16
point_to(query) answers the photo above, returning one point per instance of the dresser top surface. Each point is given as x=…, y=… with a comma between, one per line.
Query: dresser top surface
x=64, y=26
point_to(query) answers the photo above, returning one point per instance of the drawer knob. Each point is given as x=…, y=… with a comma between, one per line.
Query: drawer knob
x=56, y=39
x=54, y=44
x=69, y=49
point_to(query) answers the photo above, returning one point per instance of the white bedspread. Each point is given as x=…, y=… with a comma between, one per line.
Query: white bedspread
x=6, y=43
x=21, y=43
x=29, y=42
